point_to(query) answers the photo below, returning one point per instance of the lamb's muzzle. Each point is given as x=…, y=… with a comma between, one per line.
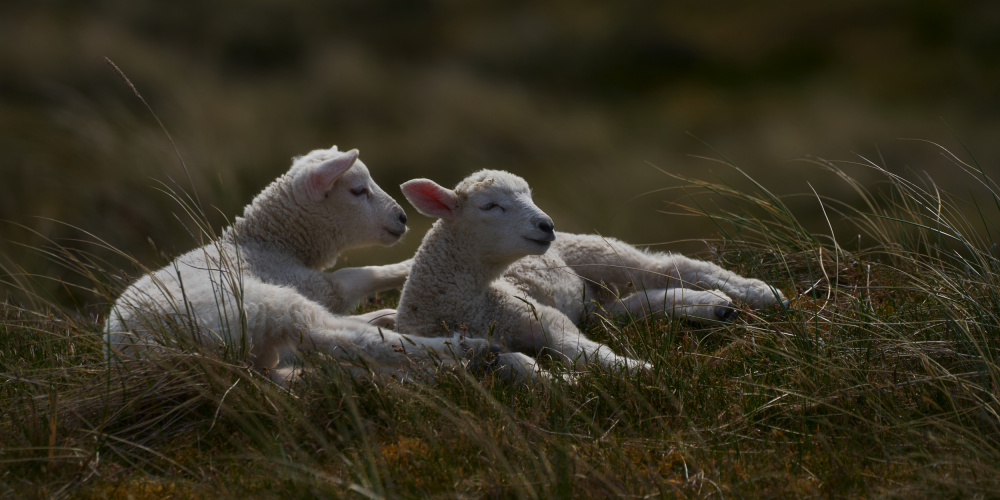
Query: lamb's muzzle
x=261, y=285
x=494, y=263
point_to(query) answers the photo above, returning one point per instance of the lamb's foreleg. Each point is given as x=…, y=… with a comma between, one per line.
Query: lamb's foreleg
x=548, y=328
x=354, y=284
x=520, y=367
x=386, y=348
x=385, y=318
x=284, y=320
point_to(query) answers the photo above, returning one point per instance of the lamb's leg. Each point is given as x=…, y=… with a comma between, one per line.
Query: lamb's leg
x=520, y=367
x=286, y=320
x=354, y=284
x=598, y=259
x=385, y=318
x=285, y=375
x=696, y=305
x=554, y=330
x=386, y=348
x=575, y=346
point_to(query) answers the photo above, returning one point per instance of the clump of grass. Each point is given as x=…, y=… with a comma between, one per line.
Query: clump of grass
x=880, y=378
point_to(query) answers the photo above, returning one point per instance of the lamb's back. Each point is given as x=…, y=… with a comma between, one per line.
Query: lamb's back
x=193, y=280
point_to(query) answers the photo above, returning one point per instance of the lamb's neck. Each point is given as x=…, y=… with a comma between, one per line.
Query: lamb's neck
x=282, y=229
x=449, y=257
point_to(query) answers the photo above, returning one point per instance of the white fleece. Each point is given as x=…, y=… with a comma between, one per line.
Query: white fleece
x=493, y=266
x=260, y=286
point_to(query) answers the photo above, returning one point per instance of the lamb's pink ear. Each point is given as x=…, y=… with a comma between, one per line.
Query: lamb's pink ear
x=429, y=198
x=320, y=178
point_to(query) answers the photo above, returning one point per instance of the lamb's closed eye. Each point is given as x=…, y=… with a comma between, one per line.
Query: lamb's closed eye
x=283, y=302
x=476, y=271
x=454, y=276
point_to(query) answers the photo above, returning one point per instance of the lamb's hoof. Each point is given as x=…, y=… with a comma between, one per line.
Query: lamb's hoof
x=727, y=312
x=634, y=367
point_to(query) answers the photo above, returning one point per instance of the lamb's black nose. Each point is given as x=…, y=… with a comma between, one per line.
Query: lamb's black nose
x=546, y=226
x=402, y=218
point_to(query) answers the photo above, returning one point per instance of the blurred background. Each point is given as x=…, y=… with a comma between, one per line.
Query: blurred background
x=581, y=98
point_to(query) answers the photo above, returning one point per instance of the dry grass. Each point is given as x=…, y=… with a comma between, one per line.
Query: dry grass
x=880, y=379
x=579, y=96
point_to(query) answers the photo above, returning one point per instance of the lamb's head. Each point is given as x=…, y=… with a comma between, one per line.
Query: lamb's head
x=492, y=209
x=326, y=203
x=338, y=196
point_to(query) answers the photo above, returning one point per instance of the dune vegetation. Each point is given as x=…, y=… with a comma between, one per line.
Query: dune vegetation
x=880, y=379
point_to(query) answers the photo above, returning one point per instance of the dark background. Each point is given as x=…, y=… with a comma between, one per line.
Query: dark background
x=580, y=98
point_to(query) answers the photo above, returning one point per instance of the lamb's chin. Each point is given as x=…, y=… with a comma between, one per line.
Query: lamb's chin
x=538, y=247
x=390, y=236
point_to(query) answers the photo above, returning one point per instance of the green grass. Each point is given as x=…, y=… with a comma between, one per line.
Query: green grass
x=880, y=379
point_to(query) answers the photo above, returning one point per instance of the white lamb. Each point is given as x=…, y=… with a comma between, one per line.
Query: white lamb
x=260, y=285
x=494, y=265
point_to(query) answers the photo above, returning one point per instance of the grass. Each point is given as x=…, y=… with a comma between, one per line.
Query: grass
x=880, y=379
x=434, y=90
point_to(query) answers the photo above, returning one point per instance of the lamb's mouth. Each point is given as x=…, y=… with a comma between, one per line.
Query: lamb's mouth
x=545, y=242
x=396, y=234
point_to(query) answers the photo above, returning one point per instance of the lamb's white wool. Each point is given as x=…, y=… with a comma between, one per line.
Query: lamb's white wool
x=261, y=285
x=582, y=270
x=490, y=264
x=487, y=223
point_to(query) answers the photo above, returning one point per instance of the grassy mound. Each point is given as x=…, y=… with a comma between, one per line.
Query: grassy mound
x=880, y=378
